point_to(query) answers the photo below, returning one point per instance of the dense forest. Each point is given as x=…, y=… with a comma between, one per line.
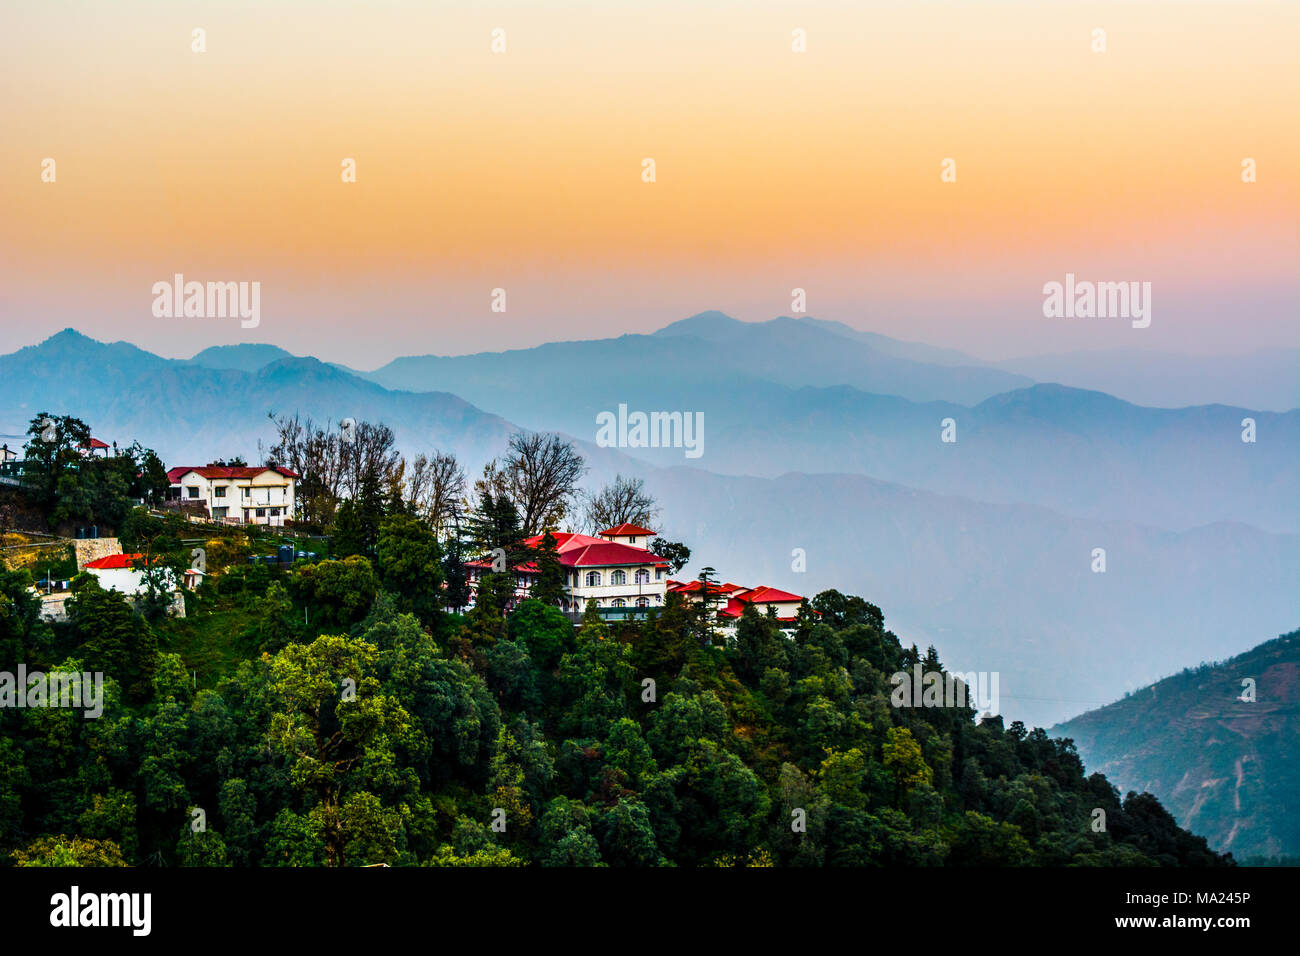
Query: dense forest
x=343, y=712
x=381, y=736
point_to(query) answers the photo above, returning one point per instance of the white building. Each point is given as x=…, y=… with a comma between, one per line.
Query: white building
x=237, y=494
x=621, y=577
x=122, y=573
x=729, y=600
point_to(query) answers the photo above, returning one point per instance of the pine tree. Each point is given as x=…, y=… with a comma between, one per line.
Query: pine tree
x=704, y=611
x=548, y=586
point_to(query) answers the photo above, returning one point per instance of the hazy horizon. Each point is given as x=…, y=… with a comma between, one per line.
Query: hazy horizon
x=775, y=171
x=165, y=349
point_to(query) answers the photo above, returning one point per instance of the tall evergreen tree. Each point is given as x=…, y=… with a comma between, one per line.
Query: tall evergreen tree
x=548, y=585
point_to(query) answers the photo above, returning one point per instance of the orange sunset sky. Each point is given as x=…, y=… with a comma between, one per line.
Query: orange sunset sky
x=775, y=169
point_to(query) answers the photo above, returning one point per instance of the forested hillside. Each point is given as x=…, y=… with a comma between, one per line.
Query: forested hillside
x=1220, y=755
x=337, y=708
x=387, y=730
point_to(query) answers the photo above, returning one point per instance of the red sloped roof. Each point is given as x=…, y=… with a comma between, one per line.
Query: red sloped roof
x=609, y=553
x=692, y=587
x=226, y=471
x=766, y=595
x=627, y=528
x=736, y=607
x=584, y=551
x=529, y=567
x=564, y=540
x=114, y=561
x=95, y=443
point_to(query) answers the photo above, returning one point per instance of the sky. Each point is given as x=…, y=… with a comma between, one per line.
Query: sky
x=522, y=170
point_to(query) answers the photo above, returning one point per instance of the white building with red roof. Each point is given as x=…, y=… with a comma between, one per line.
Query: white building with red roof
x=623, y=577
x=730, y=601
x=783, y=603
x=626, y=533
x=237, y=494
x=118, y=572
x=619, y=576
x=124, y=573
x=691, y=591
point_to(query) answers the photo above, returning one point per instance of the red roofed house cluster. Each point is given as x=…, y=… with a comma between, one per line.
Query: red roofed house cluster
x=617, y=571
x=237, y=494
x=731, y=600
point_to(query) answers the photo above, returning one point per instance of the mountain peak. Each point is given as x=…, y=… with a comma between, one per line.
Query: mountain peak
x=69, y=343
x=67, y=338
x=246, y=356
x=710, y=324
x=68, y=334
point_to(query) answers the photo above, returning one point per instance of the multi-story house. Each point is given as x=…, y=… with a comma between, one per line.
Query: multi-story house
x=623, y=578
x=237, y=494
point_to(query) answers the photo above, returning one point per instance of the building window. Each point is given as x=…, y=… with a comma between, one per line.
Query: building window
x=642, y=576
x=618, y=602
x=618, y=577
x=593, y=579
x=220, y=492
x=219, y=512
x=659, y=574
x=248, y=492
x=192, y=491
x=633, y=539
x=261, y=512
x=642, y=602
x=275, y=512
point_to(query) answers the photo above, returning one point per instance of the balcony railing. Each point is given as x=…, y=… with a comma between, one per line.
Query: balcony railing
x=614, y=614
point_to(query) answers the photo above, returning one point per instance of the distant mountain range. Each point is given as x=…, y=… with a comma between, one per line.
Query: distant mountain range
x=808, y=395
x=1005, y=588
x=1265, y=379
x=986, y=552
x=192, y=413
x=1083, y=453
x=1226, y=768
x=709, y=350
x=805, y=351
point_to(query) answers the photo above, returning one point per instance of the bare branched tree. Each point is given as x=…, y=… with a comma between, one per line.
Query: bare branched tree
x=368, y=451
x=625, y=500
x=541, y=475
x=434, y=488
x=313, y=451
x=332, y=463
